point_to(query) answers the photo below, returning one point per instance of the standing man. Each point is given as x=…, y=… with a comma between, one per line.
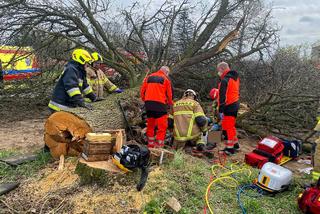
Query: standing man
x=72, y=85
x=229, y=105
x=189, y=121
x=97, y=79
x=156, y=92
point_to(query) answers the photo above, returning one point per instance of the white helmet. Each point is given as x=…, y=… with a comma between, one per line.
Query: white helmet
x=190, y=91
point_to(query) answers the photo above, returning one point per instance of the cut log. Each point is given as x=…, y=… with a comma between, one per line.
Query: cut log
x=100, y=172
x=64, y=133
x=160, y=156
x=119, y=141
x=98, y=137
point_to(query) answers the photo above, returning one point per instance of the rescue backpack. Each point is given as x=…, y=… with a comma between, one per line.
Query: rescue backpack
x=292, y=148
x=132, y=157
x=269, y=149
x=309, y=200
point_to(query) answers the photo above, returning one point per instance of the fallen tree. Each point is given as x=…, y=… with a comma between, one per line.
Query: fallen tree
x=65, y=131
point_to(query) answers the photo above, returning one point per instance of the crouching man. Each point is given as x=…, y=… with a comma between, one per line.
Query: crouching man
x=189, y=121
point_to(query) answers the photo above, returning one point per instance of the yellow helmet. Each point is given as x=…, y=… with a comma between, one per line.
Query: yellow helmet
x=96, y=57
x=82, y=56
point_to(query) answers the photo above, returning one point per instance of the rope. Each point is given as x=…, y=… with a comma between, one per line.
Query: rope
x=250, y=187
x=225, y=178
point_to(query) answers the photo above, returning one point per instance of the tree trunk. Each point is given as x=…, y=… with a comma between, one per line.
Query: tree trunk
x=99, y=172
x=65, y=131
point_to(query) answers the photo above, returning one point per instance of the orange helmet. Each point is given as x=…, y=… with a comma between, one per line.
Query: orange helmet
x=214, y=93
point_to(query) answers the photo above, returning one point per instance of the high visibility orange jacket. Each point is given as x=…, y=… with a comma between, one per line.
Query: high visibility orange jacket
x=229, y=92
x=156, y=89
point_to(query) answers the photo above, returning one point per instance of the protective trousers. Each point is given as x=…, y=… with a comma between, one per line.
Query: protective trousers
x=229, y=130
x=161, y=123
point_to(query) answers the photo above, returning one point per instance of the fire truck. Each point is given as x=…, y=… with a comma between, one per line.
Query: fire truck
x=18, y=62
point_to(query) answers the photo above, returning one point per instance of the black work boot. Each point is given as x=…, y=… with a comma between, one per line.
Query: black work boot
x=200, y=147
x=236, y=147
x=228, y=151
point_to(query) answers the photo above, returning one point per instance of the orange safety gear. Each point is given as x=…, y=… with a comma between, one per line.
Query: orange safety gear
x=157, y=87
x=162, y=124
x=229, y=92
x=229, y=105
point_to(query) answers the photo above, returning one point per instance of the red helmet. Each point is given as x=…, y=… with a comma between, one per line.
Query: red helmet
x=214, y=93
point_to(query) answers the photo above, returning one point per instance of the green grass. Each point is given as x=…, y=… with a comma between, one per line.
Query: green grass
x=23, y=171
x=187, y=178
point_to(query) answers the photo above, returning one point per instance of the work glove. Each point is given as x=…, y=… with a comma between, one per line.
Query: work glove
x=86, y=105
x=215, y=127
x=119, y=91
x=221, y=116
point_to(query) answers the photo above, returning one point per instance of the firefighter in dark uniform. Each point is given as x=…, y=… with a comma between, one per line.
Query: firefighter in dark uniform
x=72, y=86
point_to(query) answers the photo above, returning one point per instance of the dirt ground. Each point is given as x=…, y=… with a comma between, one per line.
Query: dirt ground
x=22, y=123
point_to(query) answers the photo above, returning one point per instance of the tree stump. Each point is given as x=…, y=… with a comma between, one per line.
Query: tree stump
x=99, y=172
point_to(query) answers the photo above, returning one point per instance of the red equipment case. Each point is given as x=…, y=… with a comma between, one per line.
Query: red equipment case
x=309, y=200
x=269, y=149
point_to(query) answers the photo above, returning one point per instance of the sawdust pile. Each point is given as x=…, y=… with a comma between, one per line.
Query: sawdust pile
x=59, y=192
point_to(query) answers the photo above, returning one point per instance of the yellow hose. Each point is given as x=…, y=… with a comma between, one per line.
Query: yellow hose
x=226, y=176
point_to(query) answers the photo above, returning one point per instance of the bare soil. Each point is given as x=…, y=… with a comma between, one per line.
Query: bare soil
x=21, y=123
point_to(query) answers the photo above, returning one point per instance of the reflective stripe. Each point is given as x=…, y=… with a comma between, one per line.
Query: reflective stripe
x=87, y=90
x=80, y=83
x=315, y=175
x=189, y=133
x=182, y=112
x=187, y=138
x=176, y=131
x=199, y=114
x=171, y=116
x=73, y=91
x=230, y=144
x=113, y=88
x=200, y=141
x=56, y=106
x=187, y=103
x=96, y=81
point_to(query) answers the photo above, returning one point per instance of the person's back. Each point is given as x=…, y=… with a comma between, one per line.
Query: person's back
x=156, y=92
x=186, y=110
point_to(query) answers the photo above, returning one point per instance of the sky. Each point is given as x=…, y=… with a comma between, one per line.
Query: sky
x=299, y=21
